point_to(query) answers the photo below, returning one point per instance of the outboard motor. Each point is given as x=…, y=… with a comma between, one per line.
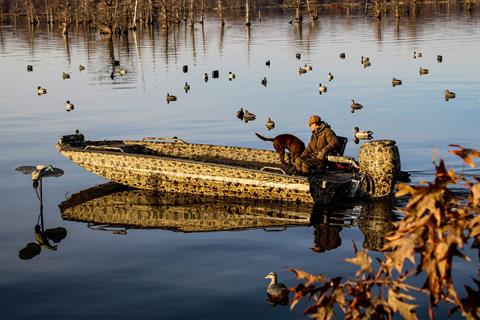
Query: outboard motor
x=380, y=163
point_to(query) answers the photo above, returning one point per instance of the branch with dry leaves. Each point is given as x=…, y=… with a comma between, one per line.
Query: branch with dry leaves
x=436, y=227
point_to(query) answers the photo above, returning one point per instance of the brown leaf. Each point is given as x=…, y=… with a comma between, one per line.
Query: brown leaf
x=467, y=155
x=397, y=303
x=475, y=195
x=362, y=260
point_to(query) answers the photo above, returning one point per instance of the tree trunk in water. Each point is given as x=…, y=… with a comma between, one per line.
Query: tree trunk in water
x=298, y=12
x=133, y=26
x=202, y=16
x=220, y=12
x=192, y=14
x=247, y=13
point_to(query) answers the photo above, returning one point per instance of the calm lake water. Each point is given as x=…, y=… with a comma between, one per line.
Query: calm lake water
x=103, y=272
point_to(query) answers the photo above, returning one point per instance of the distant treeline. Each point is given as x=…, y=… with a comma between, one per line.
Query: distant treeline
x=118, y=16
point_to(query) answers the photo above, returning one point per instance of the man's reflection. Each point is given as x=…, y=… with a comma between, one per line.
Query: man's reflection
x=326, y=233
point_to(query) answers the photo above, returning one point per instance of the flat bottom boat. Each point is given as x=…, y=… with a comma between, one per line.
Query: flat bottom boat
x=172, y=165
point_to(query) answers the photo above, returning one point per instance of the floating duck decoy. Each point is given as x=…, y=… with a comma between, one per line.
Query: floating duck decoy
x=355, y=106
x=417, y=54
x=81, y=67
x=330, y=76
x=275, y=289
x=248, y=115
x=240, y=114
x=41, y=90
x=215, y=74
x=69, y=106
x=66, y=76
x=449, y=94
x=264, y=81
x=231, y=75
x=170, y=98
x=396, y=82
x=298, y=56
x=29, y=67
x=205, y=77
x=267, y=63
x=439, y=58
x=362, y=134
x=422, y=71
x=122, y=71
x=186, y=87
x=270, y=124
x=185, y=69
x=116, y=63
x=342, y=55
x=112, y=75
x=322, y=88
x=302, y=70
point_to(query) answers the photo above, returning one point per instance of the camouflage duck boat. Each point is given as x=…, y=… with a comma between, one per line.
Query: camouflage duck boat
x=116, y=208
x=172, y=165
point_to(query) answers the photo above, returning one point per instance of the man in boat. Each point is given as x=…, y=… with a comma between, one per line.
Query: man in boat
x=323, y=142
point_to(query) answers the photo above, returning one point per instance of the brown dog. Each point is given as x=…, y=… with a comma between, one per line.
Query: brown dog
x=286, y=141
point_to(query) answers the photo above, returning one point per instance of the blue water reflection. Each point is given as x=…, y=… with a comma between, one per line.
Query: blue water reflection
x=157, y=273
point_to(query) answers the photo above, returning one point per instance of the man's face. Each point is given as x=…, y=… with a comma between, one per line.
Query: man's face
x=313, y=126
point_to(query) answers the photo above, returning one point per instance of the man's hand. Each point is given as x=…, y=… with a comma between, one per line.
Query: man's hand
x=321, y=154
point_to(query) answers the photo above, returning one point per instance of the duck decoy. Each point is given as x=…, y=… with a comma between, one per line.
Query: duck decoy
x=302, y=70
x=422, y=71
x=205, y=77
x=215, y=74
x=81, y=67
x=275, y=289
x=342, y=55
x=185, y=69
x=69, y=106
x=112, y=75
x=40, y=171
x=116, y=63
x=270, y=124
x=66, y=76
x=231, y=75
x=396, y=82
x=29, y=67
x=355, y=106
x=240, y=114
x=264, y=81
x=322, y=88
x=330, y=76
x=170, y=98
x=122, y=71
x=186, y=87
x=298, y=56
x=362, y=134
x=248, y=115
x=267, y=63
x=41, y=91
x=417, y=54
x=439, y=58
x=449, y=94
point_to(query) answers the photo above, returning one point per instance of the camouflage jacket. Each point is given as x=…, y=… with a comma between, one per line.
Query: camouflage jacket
x=323, y=141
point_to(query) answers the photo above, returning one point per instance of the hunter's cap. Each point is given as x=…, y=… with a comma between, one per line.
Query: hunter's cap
x=314, y=119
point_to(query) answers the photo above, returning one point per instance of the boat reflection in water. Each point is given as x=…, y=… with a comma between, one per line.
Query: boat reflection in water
x=375, y=219
x=118, y=208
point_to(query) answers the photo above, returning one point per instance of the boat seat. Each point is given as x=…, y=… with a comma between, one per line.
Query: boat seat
x=342, y=144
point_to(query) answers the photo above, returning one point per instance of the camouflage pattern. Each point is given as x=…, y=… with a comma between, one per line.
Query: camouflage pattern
x=114, y=205
x=380, y=162
x=202, y=169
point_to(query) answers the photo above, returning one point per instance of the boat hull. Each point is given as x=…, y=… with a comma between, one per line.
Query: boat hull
x=174, y=174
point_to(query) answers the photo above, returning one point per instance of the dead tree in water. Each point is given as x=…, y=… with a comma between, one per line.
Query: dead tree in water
x=247, y=13
x=298, y=12
x=191, y=14
x=31, y=13
x=202, y=12
x=312, y=11
x=220, y=12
